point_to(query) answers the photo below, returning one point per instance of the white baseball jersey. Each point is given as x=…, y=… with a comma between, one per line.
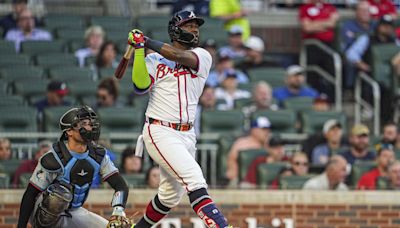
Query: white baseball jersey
x=176, y=89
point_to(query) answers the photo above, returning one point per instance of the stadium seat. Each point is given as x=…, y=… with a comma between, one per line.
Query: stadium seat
x=223, y=122
x=11, y=74
x=218, y=34
x=212, y=22
x=51, y=118
x=225, y=143
x=293, y=182
x=299, y=104
x=4, y=181
x=117, y=35
x=246, y=86
x=71, y=74
x=381, y=56
x=36, y=98
x=107, y=72
x=383, y=183
x=282, y=121
x=273, y=75
x=42, y=47
x=55, y=21
x=359, y=168
x=70, y=34
x=266, y=173
x=162, y=35
x=56, y=59
x=80, y=89
x=243, y=102
x=30, y=87
x=73, y=46
x=121, y=119
x=112, y=22
x=11, y=100
x=3, y=87
x=245, y=158
x=14, y=60
x=135, y=180
x=151, y=23
x=313, y=121
x=18, y=119
x=10, y=166
x=24, y=180
x=7, y=47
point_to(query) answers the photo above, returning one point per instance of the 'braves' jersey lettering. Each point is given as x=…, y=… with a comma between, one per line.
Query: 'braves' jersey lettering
x=176, y=89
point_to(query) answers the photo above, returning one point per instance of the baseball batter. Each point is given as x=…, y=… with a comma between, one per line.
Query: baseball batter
x=174, y=76
x=63, y=176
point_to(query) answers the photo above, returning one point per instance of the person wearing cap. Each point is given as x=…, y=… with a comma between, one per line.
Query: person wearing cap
x=333, y=133
x=229, y=90
x=224, y=64
x=235, y=48
x=385, y=157
x=26, y=30
x=94, y=38
x=359, y=143
x=295, y=87
x=9, y=21
x=56, y=91
x=257, y=139
x=28, y=166
x=274, y=153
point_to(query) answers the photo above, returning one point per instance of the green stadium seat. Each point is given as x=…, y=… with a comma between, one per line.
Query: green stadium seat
x=3, y=87
x=282, y=121
x=71, y=74
x=151, y=23
x=4, y=181
x=18, y=119
x=73, y=46
x=212, y=22
x=141, y=101
x=162, y=35
x=36, y=98
x=135, y=180
x=24, y=180
x=30, y=87
x=246, y=86
x=51, y=118
x=7, y=47
x=106, y=72
x=70, y=34
x=225, y=143
x=215, y=33
x=79, y=89
x=11, y=100
x=14, y=60
x=55, y=21
x=313, y=121
x=56, y=59
x=397, y=154
x=293, y=182
x=381, y=56
x=299, y=104
x=266, y=173
x=111, y=22
x=117, y=35
x=359, y=168
x=245, y=158
x=383, y=183
x=273, y=75
x=125, y=119
x=223, y=122
x=243, y=102
x=11, y=74
x=42, y=47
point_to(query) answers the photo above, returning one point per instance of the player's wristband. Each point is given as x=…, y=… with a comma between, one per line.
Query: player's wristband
x=118, y=210
x=155, y=45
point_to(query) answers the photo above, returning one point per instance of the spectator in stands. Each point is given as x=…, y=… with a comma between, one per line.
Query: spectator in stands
x=94, y=38
x=262, y=99
x=257, y=139
x=107, y=94
x=153, y=177
x=29, y=165
x=56, y=91
x=359, y=142
x=360, y=25
x=130, y=164
x=385, y=157
x=333, y=133
x=207, y=101
x=232, y=13
x=224, y=65
x=389, y=136
x=321, y=103
x=230, y=91
x=379, y=8
x=211, y=46
x=235, y=48
x=26, y=30
x=5, y=149
x=333, y=177
x=275, y=153
x=9, y=21
x=295, y=87
x=106, y=58
x=394, y=176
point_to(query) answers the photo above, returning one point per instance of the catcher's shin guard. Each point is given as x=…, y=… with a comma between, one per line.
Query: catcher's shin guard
x=56, y=199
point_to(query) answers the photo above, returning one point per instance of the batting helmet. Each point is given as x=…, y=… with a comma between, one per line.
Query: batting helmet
x=180, y=35
x=71, y=119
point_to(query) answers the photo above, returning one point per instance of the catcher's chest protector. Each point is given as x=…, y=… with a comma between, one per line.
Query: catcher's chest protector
x=79, y=170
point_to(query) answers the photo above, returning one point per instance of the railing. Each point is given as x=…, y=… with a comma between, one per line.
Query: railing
x=335, y=79
x=360, y=102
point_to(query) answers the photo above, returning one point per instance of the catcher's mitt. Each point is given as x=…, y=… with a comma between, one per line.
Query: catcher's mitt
x=117, y=221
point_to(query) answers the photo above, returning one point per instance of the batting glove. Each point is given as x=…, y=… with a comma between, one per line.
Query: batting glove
x=136, y=38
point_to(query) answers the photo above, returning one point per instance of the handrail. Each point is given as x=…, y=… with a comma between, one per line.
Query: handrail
x=376, y=92
x=337, y=62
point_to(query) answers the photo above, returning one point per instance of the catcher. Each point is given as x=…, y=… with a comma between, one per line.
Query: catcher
x=61, y=181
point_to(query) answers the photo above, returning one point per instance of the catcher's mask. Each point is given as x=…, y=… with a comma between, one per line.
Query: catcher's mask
x=78, y=118
x=176, y=33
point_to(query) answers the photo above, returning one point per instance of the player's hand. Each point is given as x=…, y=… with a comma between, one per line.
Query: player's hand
x=117, y=221
x=136, y=38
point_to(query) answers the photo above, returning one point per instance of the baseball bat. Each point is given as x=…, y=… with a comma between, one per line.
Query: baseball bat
x=123, y=64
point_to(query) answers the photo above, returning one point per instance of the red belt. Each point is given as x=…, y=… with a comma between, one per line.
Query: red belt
x=175, y=126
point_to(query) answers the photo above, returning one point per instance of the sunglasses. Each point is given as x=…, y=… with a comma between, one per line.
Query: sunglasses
x=301, y=163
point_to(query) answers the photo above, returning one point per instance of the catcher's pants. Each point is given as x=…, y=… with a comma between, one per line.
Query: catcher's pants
x=81, y=218
x=175, y=152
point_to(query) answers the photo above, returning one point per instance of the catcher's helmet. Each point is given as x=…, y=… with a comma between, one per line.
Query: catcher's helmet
x=180, y=35
x=71, y=119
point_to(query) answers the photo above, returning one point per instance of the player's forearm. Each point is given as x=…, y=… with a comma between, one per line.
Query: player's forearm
x=27, y=205
x=119, y=185
x=140, y=75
